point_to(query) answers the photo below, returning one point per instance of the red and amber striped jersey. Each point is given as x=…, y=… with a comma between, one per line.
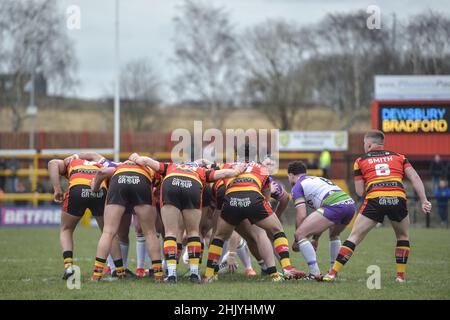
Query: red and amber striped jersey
x=200, y=174
x=130, y=166
x=254, y=178
x=382, y=172
x=80, y=171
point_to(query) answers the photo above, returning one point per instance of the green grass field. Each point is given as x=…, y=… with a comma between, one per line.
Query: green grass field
x=31, y=268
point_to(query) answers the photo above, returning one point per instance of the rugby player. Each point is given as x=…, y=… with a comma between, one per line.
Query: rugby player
x=181, y=193
x=333, y=210
x=379, y=177
x=76, y=200
x=246, y=197
x=130, y=187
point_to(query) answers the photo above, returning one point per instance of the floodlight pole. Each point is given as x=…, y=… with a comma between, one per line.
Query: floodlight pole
x=116, y=91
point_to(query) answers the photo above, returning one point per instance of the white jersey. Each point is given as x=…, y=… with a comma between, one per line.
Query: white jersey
x=312, y=191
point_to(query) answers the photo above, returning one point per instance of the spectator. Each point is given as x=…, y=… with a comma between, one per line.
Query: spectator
x=437, y=170
x=325, y=162
x=442, y=194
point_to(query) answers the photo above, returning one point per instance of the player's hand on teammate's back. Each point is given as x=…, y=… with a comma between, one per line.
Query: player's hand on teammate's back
x=426, y=207
x=240, y=167
x=133, y=157
x=93, y=185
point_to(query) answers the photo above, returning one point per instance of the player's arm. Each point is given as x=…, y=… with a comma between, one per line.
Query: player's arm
x=358, y=176
x=228, y=173
x=56, y=168
x=359, y=187
x=419, y=188
x=145, y=162
x=90, y=156
x=300, y=214
x=232, y=251
x=282, y=203
x=102, y=175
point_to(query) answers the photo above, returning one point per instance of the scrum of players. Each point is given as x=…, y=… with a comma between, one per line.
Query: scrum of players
x=223, y=212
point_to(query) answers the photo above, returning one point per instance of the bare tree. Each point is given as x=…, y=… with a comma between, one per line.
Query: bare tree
x=35, y=41
x=349, y=49
x=139, y=87
x=206, y=56
x=274, y=54
x=426, y=45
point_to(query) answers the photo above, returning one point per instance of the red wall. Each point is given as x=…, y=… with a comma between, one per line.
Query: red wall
x=414, y=144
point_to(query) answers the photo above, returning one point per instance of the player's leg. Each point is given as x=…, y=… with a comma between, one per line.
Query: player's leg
x=315, y=223
x=402, y=248
x=147, y=216
x=106, y=244
x=191, y=218
x=124, y=239
x=140, y=249
x=360, y=229
x=206, y=225
x=272, y=225
x=223, y=233
x=68, y=225
x=258, y=243
x=170, y=216
x=335, y=242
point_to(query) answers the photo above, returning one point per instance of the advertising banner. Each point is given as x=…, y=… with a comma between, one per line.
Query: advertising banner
x=29, y=216
x=313, y=140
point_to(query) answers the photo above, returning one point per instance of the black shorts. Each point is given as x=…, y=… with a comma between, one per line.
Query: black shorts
x=181, y=192
x=129, y=189
x=81, y=197
x=219, y=195
x=377, y=208
x=207, y=197
x=241, y=205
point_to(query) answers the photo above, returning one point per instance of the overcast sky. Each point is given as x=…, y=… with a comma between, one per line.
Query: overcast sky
x=146, y=29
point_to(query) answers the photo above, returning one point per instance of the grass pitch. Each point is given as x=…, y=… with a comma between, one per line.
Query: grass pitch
x=31, y=268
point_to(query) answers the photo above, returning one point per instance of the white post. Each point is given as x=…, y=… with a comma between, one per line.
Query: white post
x=116, y=94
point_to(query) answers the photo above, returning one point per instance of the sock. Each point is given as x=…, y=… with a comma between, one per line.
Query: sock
x=272, y=271
x=202, y=247
x=309, y=254
x=281, y=245
x=140, y=252
x=111, y=264
x=179, y=251
x=345, y=253
x=120, y=269
x=224, y=250
x=401, y=257
x=124, y=251
x=262, y=265
x=244, y=254
x=275, y=253
x=214, y=254
x=194, y=248
x=334, y=251
x=157, y=269
x=99, y=266
x=68, y=259
x=170, y=253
